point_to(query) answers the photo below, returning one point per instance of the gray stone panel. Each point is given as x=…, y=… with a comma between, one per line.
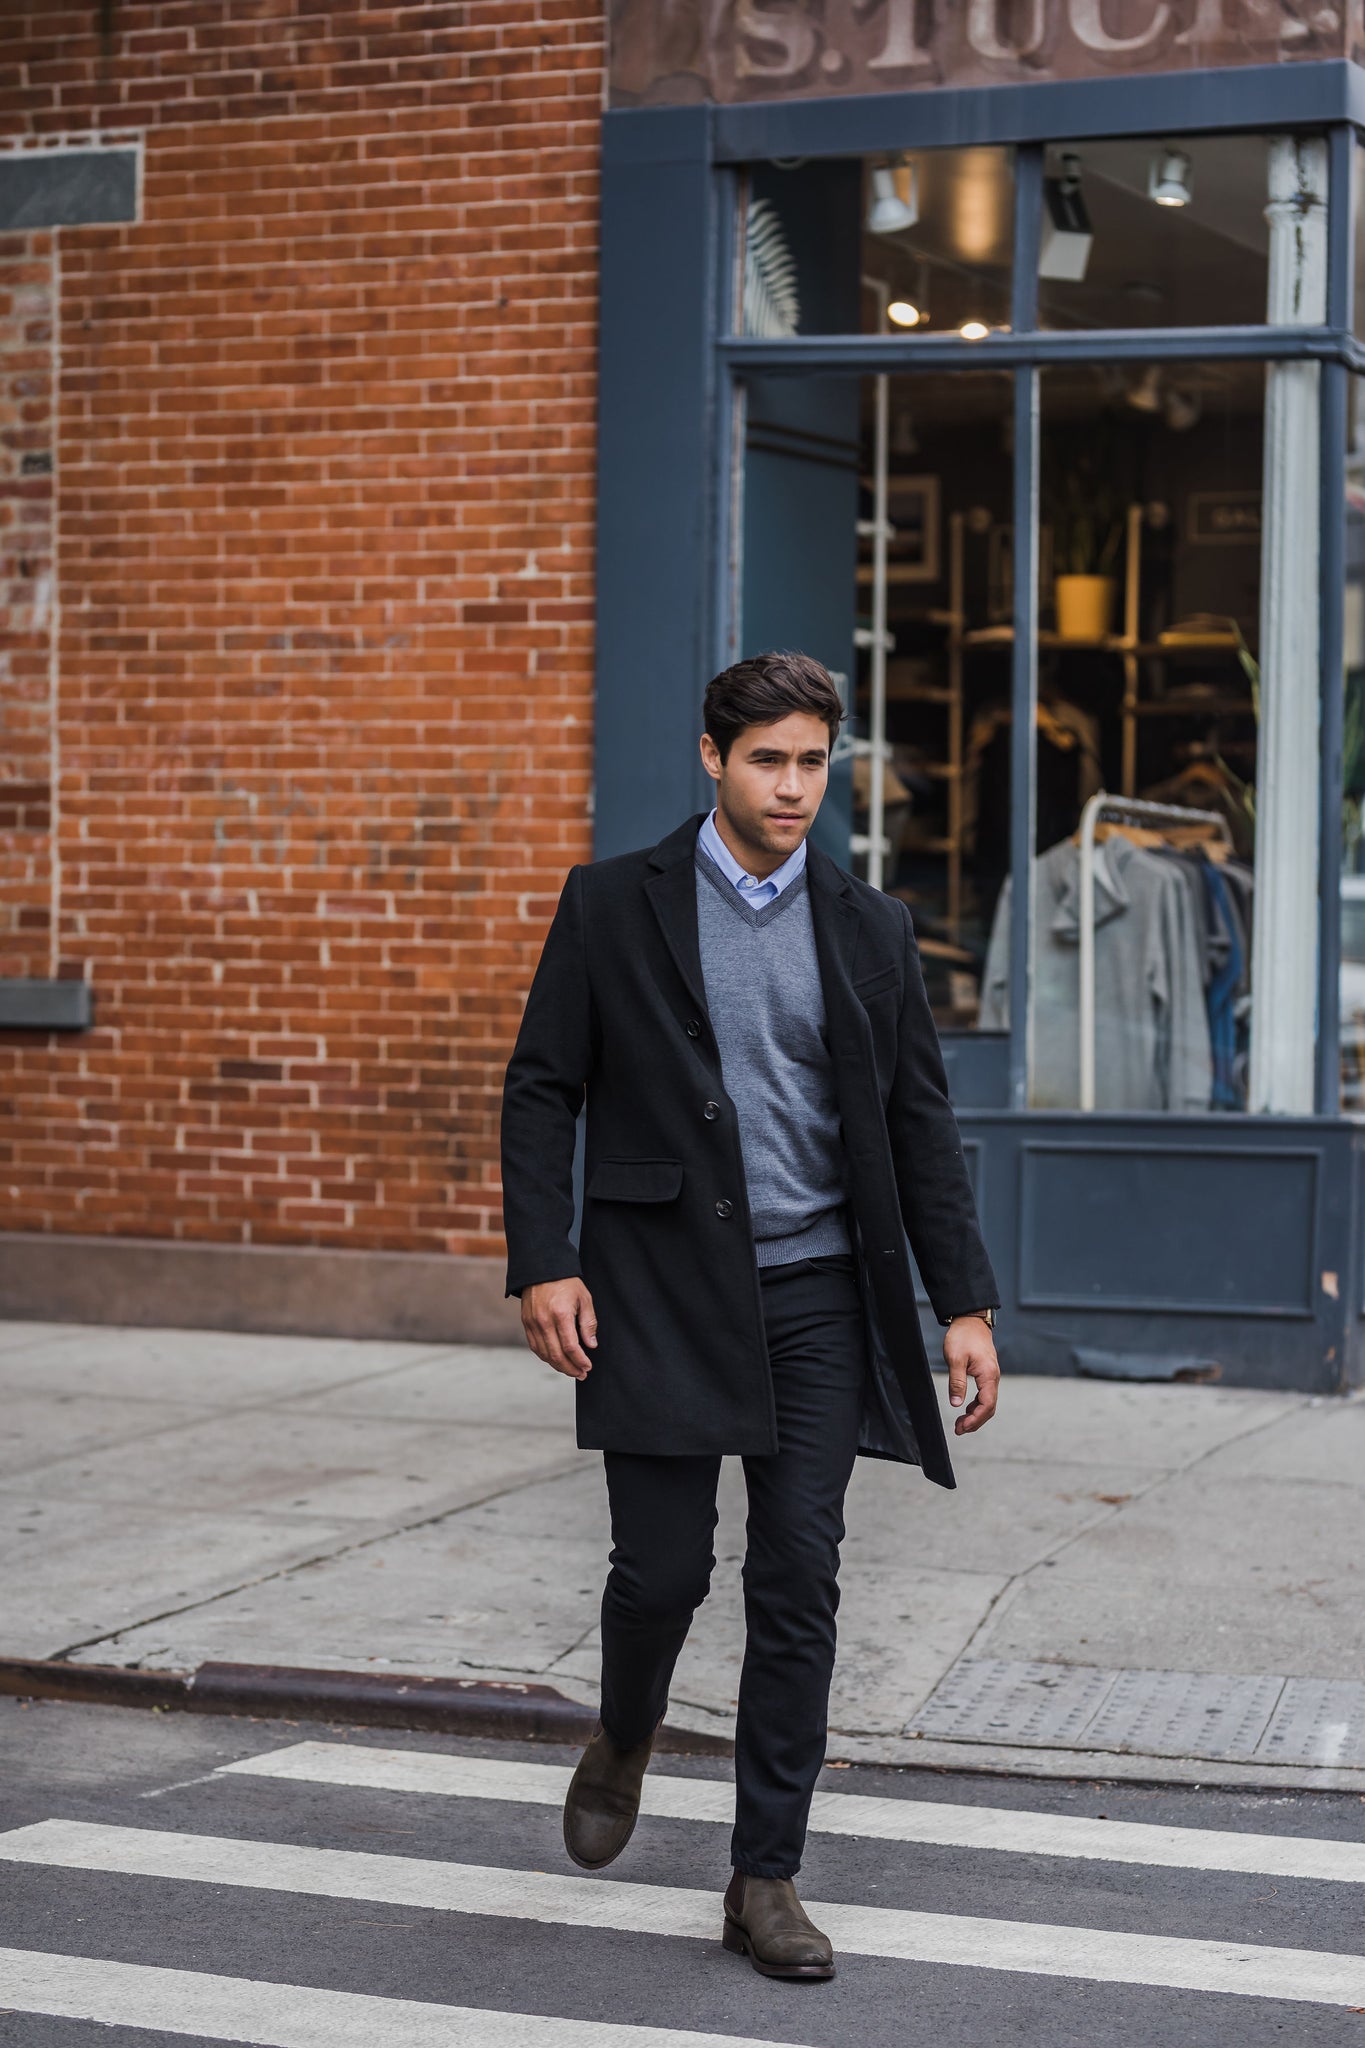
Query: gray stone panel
x=46, y=1005
x=66, y=188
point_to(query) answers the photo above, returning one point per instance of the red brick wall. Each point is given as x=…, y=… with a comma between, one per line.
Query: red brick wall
x=323, y=512
x=26, y=610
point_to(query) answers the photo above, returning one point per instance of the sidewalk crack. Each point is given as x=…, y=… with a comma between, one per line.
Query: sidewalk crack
x=1000, y=1602
x=546, y=1477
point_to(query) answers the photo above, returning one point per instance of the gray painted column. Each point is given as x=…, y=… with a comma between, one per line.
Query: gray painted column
x=1028, y=209
x=1284, y=939
x=655, y=488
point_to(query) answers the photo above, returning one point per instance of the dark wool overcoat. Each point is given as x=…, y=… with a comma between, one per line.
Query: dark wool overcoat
x=617, y=1010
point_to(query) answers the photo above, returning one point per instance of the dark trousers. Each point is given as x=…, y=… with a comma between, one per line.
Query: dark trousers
x=663, y=1520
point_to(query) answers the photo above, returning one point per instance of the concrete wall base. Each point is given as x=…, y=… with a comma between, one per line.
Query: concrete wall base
x=280, y=1289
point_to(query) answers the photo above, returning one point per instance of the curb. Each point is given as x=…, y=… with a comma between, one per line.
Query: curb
x=498, y=1710
x=493, y=1709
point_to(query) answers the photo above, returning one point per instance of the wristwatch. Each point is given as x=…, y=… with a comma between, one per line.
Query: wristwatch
x=987, y=1316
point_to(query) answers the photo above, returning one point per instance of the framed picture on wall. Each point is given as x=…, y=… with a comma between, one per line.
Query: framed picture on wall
x=912, y=504
x=1220, y=519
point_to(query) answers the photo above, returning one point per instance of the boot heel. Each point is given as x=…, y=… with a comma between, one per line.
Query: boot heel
x=732, y=1937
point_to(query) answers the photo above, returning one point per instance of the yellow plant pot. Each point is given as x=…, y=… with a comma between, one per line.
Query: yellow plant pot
x=1085, y=606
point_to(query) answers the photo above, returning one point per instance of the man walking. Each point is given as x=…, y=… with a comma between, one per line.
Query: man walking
x=767, y=1119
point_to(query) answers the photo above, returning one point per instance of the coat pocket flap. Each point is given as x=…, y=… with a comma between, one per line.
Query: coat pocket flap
x=636, y=1180
x=886, y=977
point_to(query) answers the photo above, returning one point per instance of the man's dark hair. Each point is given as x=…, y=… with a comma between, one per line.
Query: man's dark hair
x=764, y=689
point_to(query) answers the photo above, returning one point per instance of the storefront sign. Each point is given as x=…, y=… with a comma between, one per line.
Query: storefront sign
x=678, y=51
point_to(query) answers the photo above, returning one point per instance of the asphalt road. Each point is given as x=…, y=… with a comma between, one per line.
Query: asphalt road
x=168, y=1878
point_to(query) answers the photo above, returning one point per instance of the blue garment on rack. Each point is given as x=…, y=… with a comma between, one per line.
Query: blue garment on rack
x=1222, y=997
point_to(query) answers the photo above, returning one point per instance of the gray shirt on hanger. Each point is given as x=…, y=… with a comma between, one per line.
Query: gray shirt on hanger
x=1151, y=1022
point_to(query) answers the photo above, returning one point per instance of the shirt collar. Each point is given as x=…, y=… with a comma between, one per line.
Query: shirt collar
x=711, y=842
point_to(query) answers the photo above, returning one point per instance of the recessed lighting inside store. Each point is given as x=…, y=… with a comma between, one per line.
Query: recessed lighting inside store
x=901, y=313
x=1170, y=182
x=973, y=330
x=895, y=197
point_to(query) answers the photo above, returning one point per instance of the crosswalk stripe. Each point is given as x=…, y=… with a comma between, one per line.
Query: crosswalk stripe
x=296, y=2015
x=832, y=1813
x=1037, y=1949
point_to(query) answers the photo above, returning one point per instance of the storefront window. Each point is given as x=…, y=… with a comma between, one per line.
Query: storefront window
x=1155, y=233
x=1174, y=946
x=939, y=596
x=913, y=242
x=1150, y=601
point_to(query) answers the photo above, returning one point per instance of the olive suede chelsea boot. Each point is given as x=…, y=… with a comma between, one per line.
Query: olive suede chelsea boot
x=603, y=1800
x=765, y=1921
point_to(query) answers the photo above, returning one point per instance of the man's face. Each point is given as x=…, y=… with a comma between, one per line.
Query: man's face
x=770, y=787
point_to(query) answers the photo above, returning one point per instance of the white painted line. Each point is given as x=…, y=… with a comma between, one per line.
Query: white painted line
x=295, y=2016
x=832, y=1813
x=1099, y=1954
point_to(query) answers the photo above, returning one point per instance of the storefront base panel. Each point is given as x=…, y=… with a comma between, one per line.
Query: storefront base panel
x=1135, y=1247
x=279, y=1290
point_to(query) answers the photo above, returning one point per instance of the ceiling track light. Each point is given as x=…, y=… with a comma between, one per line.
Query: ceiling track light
x=895, y=197
x=1064, y=250
x=1170, y=182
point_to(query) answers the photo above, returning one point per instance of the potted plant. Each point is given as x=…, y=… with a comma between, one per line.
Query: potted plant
x=1086, y=511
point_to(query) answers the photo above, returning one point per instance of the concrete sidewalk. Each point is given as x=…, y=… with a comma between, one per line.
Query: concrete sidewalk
x=1157, y=1582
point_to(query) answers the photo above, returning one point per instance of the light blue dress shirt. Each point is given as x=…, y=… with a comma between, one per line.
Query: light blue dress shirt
x=754, y=891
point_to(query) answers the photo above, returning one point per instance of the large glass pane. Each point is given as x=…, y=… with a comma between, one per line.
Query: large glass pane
x=1150, y=600
x=821, y=456
x=920, y=240
x=1155, y=233
x=948, y=588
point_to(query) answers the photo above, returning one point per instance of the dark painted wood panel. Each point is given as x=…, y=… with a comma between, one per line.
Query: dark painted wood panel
x=1140, y=1226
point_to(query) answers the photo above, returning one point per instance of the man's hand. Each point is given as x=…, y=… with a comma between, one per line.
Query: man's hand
x=556, y=1314
x=969, y=1353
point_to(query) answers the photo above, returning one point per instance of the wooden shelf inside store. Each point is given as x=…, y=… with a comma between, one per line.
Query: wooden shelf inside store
x=1145, y=663
x=916, y=693
x=1203, y=707
x=1109, y=643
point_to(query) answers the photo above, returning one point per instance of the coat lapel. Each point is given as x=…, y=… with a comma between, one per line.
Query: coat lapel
x=672, y=892
x=837, y=924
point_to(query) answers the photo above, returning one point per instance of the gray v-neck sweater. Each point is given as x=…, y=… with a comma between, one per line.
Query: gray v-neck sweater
x=763, y=991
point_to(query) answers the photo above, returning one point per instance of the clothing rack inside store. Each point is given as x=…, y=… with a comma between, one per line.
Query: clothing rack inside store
x=1116, y=810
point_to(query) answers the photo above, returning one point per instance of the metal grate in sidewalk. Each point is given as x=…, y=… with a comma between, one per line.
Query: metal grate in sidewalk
x=1259, y=1717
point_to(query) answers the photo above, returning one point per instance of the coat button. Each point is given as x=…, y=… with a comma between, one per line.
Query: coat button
x=693, y=1028
x=888, y=1252
x=711, y=1111
x=724, y=1209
